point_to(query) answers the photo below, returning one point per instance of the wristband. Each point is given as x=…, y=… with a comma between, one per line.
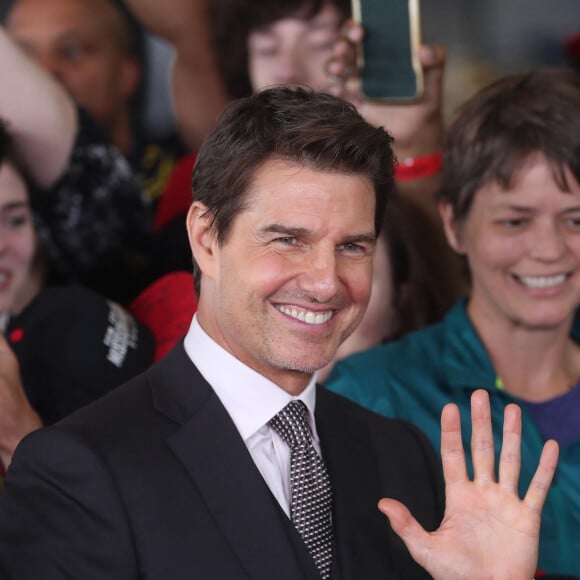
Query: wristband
x=419, y=167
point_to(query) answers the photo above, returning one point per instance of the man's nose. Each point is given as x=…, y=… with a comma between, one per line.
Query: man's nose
x=320, y=277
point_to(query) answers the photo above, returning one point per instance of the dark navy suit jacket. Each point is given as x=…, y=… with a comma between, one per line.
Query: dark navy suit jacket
x=154, y=481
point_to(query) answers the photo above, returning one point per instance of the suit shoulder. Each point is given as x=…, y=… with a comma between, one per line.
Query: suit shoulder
x=115, y=410
x=341, y=406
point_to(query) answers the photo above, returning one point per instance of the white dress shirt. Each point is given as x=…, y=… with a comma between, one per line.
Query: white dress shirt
x=251, y=401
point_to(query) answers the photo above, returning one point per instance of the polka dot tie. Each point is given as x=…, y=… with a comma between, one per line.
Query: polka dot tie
x=311, y=503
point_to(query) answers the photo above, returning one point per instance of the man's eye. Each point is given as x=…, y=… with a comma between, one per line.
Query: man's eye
x=352, y=247
x=286, y=240
x=73, y=51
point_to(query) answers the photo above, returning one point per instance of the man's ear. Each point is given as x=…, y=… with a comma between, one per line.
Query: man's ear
x=202, y=239
x=452, y=231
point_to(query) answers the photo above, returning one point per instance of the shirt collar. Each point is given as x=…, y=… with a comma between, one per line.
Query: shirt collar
x=250, y=399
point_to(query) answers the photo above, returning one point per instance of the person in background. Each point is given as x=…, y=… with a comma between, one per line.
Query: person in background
x=91, y=213
x=96, y=52
x=96, y=49
x=198, y=91
x=225, y=459
x=510, y=201
x=401, y=296
x=61, y=347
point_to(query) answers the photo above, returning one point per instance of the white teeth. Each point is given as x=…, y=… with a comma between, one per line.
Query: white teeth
x=306, y=316
x=542, y=281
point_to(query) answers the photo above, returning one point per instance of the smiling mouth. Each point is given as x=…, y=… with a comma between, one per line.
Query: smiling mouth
x=542, y=282
x=306, y=316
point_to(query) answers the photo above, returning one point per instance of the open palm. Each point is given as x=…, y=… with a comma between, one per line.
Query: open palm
x=487, y=532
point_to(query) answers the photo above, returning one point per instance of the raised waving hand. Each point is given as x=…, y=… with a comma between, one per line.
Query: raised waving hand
x=487, y=532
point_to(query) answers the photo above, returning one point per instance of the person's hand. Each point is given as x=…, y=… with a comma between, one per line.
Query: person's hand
x=416, y=126
x=487, y=530
x=17, y=417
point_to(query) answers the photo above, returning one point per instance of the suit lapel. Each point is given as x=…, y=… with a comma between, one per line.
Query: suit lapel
x=216, y=458
x=360, y=530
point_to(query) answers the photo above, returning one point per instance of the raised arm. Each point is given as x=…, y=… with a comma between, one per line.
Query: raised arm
x=198, y=91
x=487, y=530
x=417, y=126
x=41, y=117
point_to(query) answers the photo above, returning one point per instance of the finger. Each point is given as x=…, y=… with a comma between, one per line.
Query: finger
x=510, y=456
x=482, y=450
x=343, y=49
x=540, y=484
x=432, y=56
x=340, y=68
x=343, y=80
x=452, y=454
x=433, y=68
x=407, y=528
x=353, y=31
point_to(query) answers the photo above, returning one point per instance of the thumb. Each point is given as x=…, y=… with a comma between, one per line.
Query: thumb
x=407, y=528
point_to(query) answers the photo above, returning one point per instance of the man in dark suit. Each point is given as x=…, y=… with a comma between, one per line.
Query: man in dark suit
x=190, y=470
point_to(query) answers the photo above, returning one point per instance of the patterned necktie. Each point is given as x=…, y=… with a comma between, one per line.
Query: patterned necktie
x=311, y=503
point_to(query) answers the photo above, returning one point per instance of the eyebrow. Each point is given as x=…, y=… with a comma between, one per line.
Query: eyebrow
x=526, y=209
x=370, y=238
x=12, y=205
x=286, y=230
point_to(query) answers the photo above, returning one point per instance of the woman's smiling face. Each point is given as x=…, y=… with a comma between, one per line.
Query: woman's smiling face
x=523, y=248
x=20, y=279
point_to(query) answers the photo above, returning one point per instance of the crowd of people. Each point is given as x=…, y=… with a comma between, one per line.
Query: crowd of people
x=407, y=283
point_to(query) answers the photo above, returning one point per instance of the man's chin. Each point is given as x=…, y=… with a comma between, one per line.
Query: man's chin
x=309, y=365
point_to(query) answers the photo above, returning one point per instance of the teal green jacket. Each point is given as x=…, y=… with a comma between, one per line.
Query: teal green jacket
x=416, y=376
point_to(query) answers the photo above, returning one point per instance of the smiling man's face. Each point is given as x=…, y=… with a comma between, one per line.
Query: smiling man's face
x=293, y=277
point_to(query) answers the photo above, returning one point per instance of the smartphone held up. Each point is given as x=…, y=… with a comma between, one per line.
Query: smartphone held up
x=388, y=60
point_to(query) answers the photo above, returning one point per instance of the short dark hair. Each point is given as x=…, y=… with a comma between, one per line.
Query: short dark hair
x=296, y=125
x=496, y=131
x=234, y=20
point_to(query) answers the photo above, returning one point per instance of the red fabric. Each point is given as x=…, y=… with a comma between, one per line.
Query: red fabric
x=419, y=167
x=166, y=308
x=176, y=197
